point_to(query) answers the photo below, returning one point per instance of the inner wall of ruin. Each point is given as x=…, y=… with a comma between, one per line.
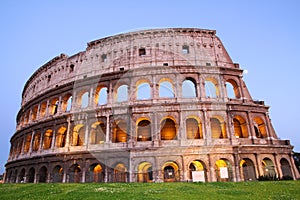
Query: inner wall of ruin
x=158, y=105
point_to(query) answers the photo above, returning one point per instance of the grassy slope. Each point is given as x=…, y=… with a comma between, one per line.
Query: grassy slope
x=243, y=190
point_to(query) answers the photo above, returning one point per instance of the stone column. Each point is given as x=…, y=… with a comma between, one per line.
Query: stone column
x=258, y=166
x=53, y=139
x=91, y=98
x=42, y=134
x=59, y=108
x=68, y=133
x=47, y=108
x=252, y=134
x=277, y=168
x=107, y=138
x=87, y=132
x=236, y=165
x=38, y=112
x=206, y=125
x=31, y=142
x=64, y=179
x=268, y=128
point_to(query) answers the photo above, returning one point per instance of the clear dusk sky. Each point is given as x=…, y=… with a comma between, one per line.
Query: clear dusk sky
x=263, y=36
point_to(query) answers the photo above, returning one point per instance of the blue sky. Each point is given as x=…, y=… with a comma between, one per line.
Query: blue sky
x=261, y=35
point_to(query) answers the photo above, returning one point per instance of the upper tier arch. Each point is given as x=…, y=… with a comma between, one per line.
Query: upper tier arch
x=145, y=48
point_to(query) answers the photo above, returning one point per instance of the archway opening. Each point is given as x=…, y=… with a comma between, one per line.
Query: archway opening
x=240, y=127
x=193, y=129
x=223, y=170
x=188, y=89
x=170, y=172
x=22, y=176
x=31, y=175
x=120, y=131
x=58, y=174
x=269, y=169
x=47, y=139
x=43, y=175
x=97, y=133
x=218, y=129
x=168, y=129
x=120, y=173
x=286, y=169
x=61, y=137
x=260, y=128
x=75, y=174
x=144, y=130
x=197, y=171
x=145, y=173
x=78, y=135
x=96, y=173
x=248, y=170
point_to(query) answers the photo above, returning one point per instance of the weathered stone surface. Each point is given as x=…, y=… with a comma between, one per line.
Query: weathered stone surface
x=145, y=106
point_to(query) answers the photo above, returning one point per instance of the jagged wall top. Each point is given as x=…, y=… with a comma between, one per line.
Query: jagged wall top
x=162, y=46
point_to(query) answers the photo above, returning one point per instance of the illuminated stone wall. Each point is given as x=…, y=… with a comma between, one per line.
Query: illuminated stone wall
x=156, y=105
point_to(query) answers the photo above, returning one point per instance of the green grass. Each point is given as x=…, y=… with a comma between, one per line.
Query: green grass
x=242, y=190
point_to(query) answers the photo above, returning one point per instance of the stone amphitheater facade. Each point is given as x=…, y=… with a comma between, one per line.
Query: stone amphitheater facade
x=155, y=105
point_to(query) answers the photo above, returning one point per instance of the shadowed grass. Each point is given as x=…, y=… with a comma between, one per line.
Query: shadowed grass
x=242, y=190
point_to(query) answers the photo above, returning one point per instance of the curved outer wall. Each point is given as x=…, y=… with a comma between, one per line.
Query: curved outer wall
x=146, y=106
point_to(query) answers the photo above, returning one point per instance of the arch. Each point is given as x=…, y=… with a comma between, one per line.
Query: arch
x=247, y=170
x=61, y=137
x=21, y=177
x=26, y=117
x=20, y=145
x=168, y=129
x=120, y=173
x=36, y=141
x=67, y=103
x=83, y=99
x=34, y=113
x=286, y=169
x=15, y=176
x=96, y=173
x=240, y=127
x=97, y=133
x=260, y=128
x=144, y=130
x=47, y=139
x=78, y=135
x=27, y=143
x=232, y=89
x=193, y=129
x=57, y=174
x=43, y=109
x=31, y=175
x=218, y=129
x=54, y=106
x=143, y=90
x=122, y=93
x=223, y=170
x=145, y=172
x=199, y=168
x=170, y=172
x=101, y=95
x=166, y=88
x=268, y=168
x=211, y=88
x=43, y=174
x=120, y=131
x=75, y=174
x=189, y=88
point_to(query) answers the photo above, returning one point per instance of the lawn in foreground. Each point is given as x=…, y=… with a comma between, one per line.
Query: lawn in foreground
x=242, y=190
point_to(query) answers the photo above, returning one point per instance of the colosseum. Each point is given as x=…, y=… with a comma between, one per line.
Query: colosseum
x=158, y=105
